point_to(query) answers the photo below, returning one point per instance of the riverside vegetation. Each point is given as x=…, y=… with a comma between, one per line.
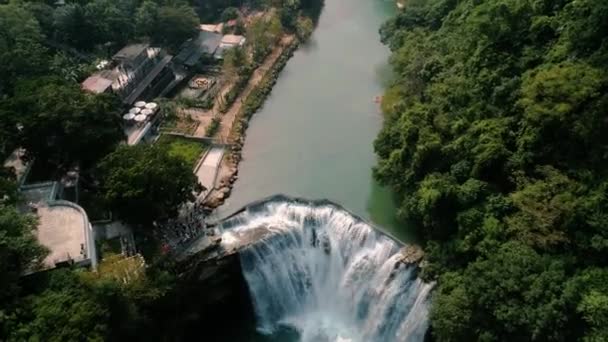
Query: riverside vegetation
x=495, y=143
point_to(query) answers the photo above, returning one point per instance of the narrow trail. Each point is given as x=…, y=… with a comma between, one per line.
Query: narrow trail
x=229, y=117
x=227, y=169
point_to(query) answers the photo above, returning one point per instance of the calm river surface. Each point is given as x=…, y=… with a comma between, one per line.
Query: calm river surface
x=313, y=137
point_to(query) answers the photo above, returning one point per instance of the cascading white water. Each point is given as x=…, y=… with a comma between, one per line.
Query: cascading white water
x=328, y=274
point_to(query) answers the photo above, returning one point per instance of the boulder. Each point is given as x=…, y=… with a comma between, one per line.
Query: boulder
x=411, y=254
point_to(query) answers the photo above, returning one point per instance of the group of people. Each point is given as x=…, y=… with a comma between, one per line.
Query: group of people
x=189, y=225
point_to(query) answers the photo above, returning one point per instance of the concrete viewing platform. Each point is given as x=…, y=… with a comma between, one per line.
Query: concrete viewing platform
x=206, y=172
x=63, y=226
x=62, y=230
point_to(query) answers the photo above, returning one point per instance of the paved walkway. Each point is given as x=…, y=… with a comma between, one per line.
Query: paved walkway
x=207, y=171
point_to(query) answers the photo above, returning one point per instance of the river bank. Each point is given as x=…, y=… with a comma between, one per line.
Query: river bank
x=235, y=121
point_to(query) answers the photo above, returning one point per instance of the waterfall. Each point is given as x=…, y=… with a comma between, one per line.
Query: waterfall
x=328, y=275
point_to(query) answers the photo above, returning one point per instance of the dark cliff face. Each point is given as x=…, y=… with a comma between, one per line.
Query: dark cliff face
x=211, y=296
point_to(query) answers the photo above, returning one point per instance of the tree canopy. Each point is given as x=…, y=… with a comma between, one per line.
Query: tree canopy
x=21, y=51
x=262, y=34
x=493, y=140
x=59, y=122
x=167, y=25
x=19, y=250
x=143, y=183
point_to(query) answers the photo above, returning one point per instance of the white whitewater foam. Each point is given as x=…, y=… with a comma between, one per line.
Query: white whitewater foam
x=329, y=275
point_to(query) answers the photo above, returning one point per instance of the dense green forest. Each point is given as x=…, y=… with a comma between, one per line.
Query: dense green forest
x=495, y=141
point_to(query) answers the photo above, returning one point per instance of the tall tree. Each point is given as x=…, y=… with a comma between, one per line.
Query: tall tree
x=61, y=123
x=262, y=34
x=111, y=20
x=146, y=18
x=21, y=51
x=19, y=251
x=73, y=26
x=175, y=25
x=144, y=183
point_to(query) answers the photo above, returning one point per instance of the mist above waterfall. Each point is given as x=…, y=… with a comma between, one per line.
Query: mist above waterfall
x=328, y=275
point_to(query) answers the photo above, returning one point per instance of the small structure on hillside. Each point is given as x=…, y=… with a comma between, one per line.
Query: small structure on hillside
x=63, y=226
x=232, y=40
x=229, y=41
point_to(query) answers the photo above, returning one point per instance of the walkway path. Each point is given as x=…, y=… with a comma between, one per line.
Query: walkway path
x=229, y=117
x=207, y=171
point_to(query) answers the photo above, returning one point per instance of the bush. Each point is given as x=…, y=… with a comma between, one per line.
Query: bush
x=213, y=127
x=304, y=28
x=240, y=27
x=230, y=13
x=241, y=83
x=206, y=103
x=143, y=183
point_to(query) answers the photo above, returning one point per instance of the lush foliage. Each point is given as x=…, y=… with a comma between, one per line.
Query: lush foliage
x=96, y=22
x=19, y=251
x=304, y=28
x=21, y=51
x=87, y=26
x=229, y=14
x=70, y=305
x=235, y=60
x=174, y=25
x=243, y=75
x=262, y=34
x=494, y=140
x=145, y=182
x=59, y=122
x=213, y=127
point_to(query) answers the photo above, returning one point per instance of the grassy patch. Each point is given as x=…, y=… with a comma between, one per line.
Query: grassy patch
x=121, y=268
x=189, y=150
